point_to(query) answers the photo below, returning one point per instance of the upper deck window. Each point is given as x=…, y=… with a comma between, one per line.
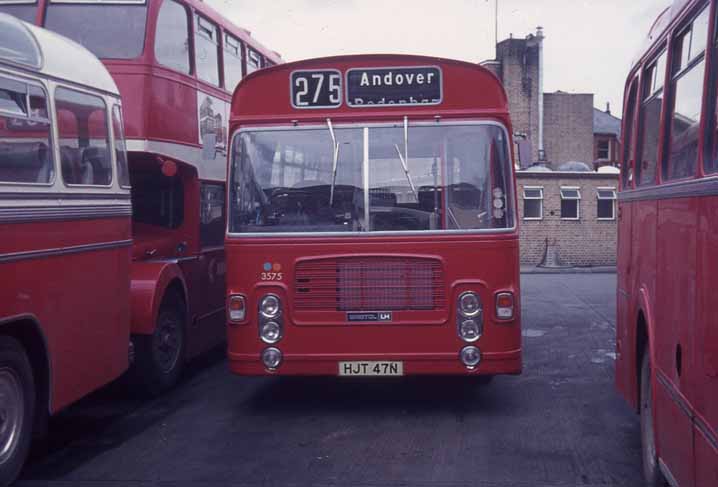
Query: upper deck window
x=254, y=60
x=25, y=134
x=18, y=44
x=84, y=138
x=111, y=30
x=650, y=121
x=456, y=177
x=206, y=47
x=232, y=62
x=687, y=99
x=172, y=37
x=22, y=9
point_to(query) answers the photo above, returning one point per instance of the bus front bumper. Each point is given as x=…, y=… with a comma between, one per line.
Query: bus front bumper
x=492, y=363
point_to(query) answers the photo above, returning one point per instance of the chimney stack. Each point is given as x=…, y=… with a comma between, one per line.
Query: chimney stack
x=608, y=107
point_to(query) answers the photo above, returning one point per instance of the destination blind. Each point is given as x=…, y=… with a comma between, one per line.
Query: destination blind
x=394, y=86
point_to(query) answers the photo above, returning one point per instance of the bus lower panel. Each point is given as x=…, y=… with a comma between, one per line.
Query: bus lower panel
x=493, y=363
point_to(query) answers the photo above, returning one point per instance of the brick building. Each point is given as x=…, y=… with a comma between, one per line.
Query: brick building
x=570, y=215
x=555, y=127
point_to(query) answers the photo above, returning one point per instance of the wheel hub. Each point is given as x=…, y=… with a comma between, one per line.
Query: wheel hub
x=11, y=412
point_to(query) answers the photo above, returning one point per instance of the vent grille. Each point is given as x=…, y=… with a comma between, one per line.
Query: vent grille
x=369, y=284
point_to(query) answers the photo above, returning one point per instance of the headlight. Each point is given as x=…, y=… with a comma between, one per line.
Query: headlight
x=269, y=307
x=271, y=358
x=469, y=304
x=271, y=332
x=470, y=356
x=470, y=331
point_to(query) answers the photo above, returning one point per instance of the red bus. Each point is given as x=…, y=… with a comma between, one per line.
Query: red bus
x=372, y=227
x=176, y=63
x=667, y=323
x=65, y=221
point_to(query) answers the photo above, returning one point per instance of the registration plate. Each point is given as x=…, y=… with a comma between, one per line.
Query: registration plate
x=371, y=369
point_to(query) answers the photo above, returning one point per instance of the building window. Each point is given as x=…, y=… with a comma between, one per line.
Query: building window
x=533, y=203
x=172, y=37
x=570, y=203
x=606, y=204
x=604, y=150
x=206, y=46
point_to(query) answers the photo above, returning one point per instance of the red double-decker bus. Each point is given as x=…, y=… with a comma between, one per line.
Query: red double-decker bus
x=667, y=323
x=176, y=63
x=372, y=227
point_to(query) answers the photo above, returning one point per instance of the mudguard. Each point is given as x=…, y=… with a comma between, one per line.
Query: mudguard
x=149, y=282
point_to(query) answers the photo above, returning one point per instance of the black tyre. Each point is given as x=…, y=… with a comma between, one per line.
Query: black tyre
x=651, y=472
x=159, y=358
x=17, y=407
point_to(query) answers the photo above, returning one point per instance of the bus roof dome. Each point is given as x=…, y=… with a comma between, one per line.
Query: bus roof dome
x=46, y=52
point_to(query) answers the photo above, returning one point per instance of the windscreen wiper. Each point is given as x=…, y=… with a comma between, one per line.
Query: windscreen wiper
x=405, y=158
x=335, y=153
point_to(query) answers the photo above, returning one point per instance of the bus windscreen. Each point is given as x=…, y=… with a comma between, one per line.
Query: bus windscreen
x=110, y=31
x=357, y=178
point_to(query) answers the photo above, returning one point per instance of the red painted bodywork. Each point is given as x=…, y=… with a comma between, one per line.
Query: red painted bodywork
x=426, y=341
x=51, y=291
x=667, y=264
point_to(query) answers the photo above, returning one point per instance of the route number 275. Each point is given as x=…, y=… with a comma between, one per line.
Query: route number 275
x=316, y=89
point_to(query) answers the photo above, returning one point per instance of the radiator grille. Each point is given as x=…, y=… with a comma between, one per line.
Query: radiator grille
x=369, y=284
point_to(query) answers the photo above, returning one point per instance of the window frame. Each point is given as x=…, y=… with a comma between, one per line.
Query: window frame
x=223, y=186
x=249, y=51
x=240, y=53
x=116, y=106
x=191, y=68
x=199, y=31
x=110, y=138
x=629, y=129
x=608, y=150
x=577, y=199
x=687, y=28
x=614, y=198
x=532, y=198
x=50, y=120
x=509, y=196
x=645, y=96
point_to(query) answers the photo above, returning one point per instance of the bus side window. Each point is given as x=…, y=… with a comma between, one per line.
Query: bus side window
x=650, y=121
x=212, y=215
x=84, y=138
x=172, y=37
x=629, y=144
x=206, y=47
x=254, y=60
x=687, y=99
x=25, y=142
x=232, y=62
x=123, y=173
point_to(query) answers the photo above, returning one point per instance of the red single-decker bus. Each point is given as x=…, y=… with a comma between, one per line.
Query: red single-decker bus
x=372, y=227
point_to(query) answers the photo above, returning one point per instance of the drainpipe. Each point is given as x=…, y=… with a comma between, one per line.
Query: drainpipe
x=539, y=39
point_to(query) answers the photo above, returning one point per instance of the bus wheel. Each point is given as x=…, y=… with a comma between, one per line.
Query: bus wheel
x=159, y=358
x=17, y=406
x=651, y=471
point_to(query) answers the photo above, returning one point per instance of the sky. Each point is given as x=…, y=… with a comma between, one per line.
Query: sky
x=589, y=45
